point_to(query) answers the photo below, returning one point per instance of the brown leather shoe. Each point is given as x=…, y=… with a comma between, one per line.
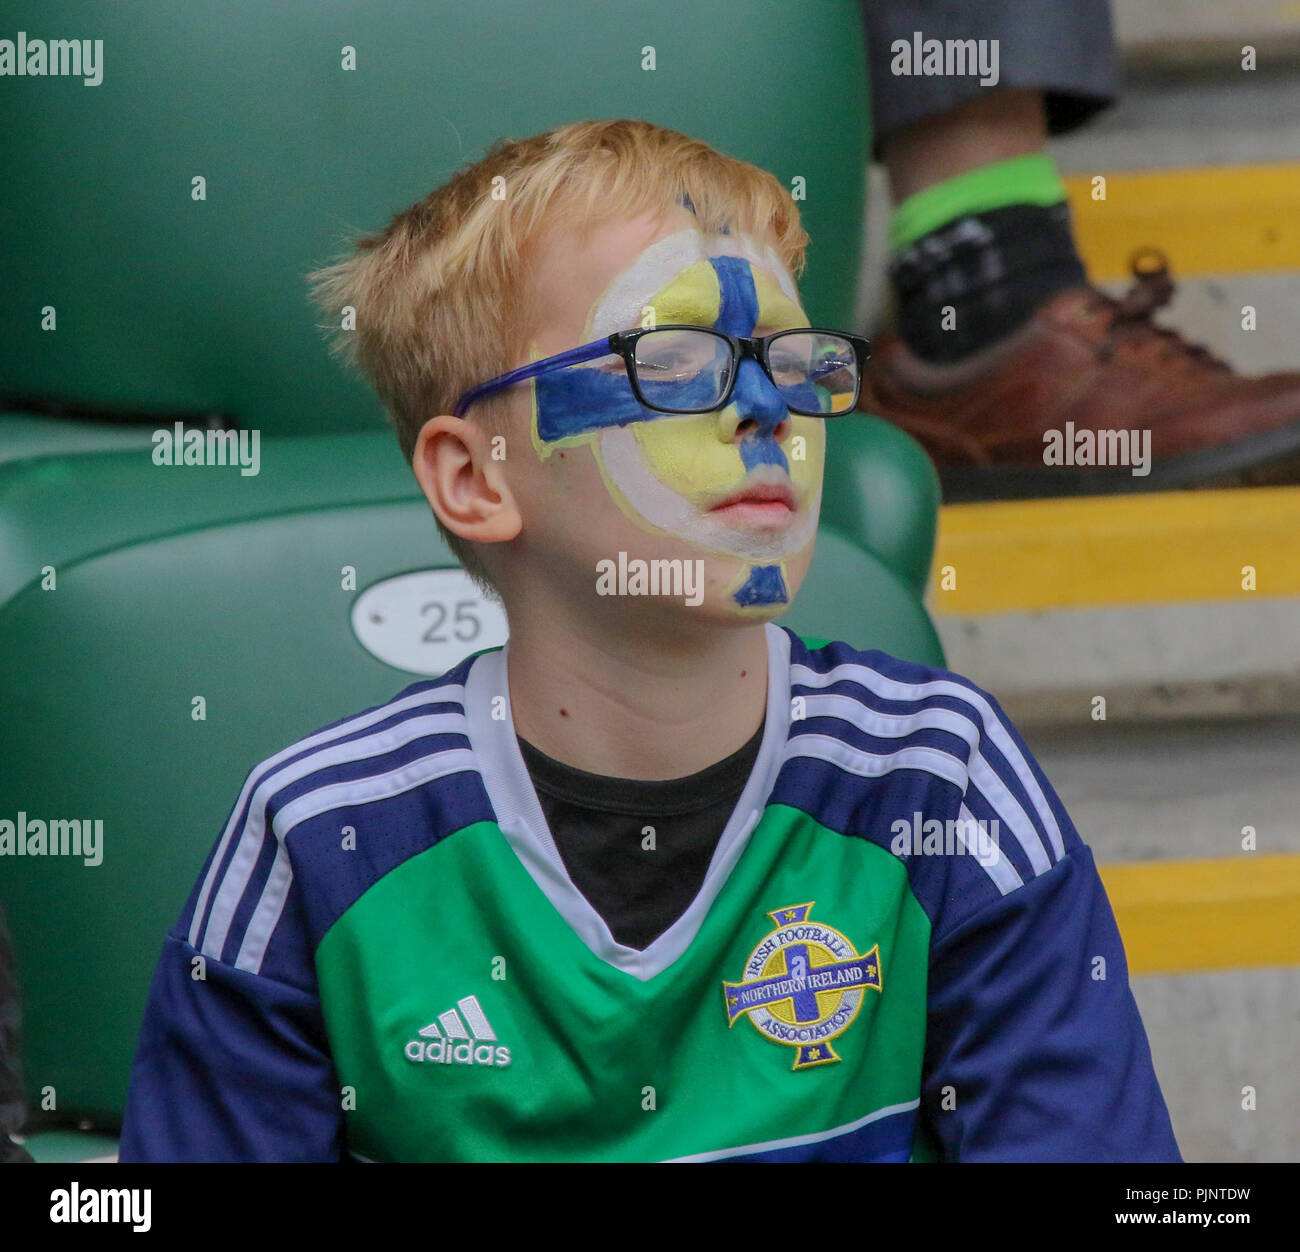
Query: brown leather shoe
x=1075, y=401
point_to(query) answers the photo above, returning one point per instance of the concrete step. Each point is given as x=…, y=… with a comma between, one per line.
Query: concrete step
x=1209, y=221
x=1164, y=605
x=1181, y=117
x=1192, y=29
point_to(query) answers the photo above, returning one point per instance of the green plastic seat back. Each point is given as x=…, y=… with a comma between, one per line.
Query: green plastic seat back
x=164, y=302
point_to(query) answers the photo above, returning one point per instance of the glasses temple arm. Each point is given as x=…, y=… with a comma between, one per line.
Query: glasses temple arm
x=574, y=356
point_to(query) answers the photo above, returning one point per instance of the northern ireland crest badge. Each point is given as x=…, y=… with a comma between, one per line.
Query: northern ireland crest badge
x=803, y=985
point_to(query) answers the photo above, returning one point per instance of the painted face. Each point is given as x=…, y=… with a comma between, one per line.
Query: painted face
x=667, y=472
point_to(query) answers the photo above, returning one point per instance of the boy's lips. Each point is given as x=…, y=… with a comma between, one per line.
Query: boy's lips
x=769, y=502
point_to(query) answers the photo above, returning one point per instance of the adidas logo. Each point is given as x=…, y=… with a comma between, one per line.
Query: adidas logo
x=447, y=1042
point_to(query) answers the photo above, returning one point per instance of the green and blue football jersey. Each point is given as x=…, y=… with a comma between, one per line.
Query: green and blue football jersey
x=892, y=956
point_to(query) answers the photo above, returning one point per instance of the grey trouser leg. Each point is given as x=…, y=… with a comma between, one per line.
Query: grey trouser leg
x=1064, y=47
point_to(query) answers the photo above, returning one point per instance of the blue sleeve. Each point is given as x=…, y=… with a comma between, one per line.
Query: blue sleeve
x=1031, y=1054
x=233, y=1067
x=233, y=1061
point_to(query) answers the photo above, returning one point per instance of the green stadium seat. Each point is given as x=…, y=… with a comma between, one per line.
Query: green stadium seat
x=164, y=302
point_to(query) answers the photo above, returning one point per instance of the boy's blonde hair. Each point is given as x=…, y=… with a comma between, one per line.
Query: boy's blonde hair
x=441, y=294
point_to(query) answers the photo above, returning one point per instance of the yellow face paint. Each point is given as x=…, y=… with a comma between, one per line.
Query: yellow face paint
x=666, y=472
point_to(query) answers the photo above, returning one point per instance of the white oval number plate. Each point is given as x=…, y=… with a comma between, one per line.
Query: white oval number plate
x=427, y=622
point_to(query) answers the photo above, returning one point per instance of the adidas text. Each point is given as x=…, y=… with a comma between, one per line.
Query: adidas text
x=446, y=1052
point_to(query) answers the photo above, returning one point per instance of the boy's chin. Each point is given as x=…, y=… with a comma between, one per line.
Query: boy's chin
x=723, y=590
x=728, y=604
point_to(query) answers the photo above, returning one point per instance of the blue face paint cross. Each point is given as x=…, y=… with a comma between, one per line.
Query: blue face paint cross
x=576, y=400
x=755, y=397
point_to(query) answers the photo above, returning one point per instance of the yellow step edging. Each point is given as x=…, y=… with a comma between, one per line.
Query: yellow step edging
x=1217, y=220
x=1182, y=917
x=1150, y=548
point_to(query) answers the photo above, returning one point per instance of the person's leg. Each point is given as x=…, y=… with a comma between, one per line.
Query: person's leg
x=1000, y=337
x=981, y=236
x=993, y=126
x=1064, y=49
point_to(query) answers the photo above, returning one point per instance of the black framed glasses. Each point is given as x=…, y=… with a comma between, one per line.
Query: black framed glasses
x=686, y=369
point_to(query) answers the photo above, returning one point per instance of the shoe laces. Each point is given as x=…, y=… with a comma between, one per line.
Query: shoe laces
x=1131, y=314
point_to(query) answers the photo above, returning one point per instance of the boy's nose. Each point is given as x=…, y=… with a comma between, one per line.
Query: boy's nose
x=756, y=400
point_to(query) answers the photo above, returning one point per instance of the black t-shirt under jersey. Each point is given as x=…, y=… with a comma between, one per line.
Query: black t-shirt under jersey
x=598, y=824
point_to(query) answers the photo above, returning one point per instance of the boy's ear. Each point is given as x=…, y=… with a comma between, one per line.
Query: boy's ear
x=465, y=487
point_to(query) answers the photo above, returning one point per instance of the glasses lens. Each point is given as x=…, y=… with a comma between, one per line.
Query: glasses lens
x=816, y=372
x=683, y=371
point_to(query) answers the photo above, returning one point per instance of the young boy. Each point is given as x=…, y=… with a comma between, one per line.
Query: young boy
x=657, y=880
